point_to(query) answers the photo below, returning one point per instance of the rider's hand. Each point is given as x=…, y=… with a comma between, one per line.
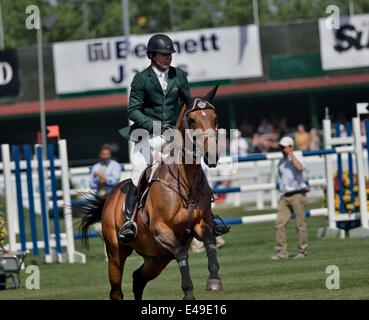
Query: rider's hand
x=166, y=127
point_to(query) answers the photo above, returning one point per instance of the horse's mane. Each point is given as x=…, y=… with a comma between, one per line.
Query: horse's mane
x=179, y=123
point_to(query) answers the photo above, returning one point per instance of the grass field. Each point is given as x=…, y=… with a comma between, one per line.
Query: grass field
x=246, y=270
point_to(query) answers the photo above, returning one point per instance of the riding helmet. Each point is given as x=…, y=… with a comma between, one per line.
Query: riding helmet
x=160, y=43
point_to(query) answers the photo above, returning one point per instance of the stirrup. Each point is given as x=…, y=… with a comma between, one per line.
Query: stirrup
x=128, y=231
x=220, y=228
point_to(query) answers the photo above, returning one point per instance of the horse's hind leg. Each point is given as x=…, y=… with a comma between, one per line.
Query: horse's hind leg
x=117, y=255
x=149, y=270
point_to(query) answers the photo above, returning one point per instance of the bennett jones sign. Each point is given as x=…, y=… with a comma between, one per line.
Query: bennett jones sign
x=207, y=54
x=9, y=82
x=347, y=46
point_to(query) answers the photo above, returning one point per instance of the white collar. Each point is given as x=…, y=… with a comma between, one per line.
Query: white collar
x=159, y=72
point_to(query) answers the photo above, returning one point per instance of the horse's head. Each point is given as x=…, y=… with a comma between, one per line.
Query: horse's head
x=200, y=117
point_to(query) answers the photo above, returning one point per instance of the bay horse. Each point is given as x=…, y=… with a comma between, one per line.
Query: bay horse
x=177, y=208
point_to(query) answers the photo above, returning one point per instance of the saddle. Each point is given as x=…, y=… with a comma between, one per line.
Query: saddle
x=149, y=175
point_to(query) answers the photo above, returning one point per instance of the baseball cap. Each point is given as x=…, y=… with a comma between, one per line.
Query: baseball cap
x=286, y=141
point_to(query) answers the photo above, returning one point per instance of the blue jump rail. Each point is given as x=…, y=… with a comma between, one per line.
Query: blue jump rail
x=238, y=220
x=270, y=156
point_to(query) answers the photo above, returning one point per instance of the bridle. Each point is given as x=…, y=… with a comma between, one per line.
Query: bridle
x=198, y=105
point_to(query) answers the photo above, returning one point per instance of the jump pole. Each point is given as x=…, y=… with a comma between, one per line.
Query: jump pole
x=362, y=231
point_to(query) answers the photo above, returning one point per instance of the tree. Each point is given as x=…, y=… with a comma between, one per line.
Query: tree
x=105, y=20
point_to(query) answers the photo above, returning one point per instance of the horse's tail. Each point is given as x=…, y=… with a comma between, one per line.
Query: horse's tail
x=92, y=210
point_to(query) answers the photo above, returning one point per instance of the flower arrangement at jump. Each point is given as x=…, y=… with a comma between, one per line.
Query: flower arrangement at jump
x=348, y=191
x=346, y=198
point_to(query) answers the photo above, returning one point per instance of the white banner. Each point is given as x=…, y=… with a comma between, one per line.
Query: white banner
x=206, y=54
x=347, y=46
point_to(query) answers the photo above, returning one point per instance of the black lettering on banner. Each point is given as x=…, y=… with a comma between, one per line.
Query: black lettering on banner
x=9, y=79
x=140, y=50
x=121, y=48
x=190, y=46
x=98, y=51
x=121, y=75
x=349, y=37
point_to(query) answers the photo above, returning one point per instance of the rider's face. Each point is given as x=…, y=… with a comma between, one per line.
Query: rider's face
x=163, y=60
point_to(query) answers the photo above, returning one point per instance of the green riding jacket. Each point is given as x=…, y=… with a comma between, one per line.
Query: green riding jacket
x=148, y=102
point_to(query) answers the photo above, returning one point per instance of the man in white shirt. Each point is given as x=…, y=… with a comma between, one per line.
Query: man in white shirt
x=105, y=174
x=293, y=199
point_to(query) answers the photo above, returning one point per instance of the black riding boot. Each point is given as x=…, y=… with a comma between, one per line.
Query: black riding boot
x=220, y=227
x=129, y=229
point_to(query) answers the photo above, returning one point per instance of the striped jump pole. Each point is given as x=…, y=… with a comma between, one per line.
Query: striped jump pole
x=356, y=141
x=58, y=246
x=22, y=182
x=363, y=231
x=350, y=166
x=10, y=203
x=306, y=153
x=31, y=202
x=18, y=183
x=271, y=217
x=340, y=173
x=43, y=205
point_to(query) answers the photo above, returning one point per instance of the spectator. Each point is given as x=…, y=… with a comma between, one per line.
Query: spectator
x=258, y=143
x=247, y=128
x=265, y=127
x=239, y=145
x=105, y=174
x=283, y=127
x=341, y=119
x=272, y=142
x=293, y=199
x=275, y=122
x=302, y=138
x=314, y=140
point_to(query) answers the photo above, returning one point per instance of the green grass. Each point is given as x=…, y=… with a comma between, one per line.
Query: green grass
x=246, y=270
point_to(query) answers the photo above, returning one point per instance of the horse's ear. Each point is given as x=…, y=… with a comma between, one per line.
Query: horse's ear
x=186, y=99
x=211, y=94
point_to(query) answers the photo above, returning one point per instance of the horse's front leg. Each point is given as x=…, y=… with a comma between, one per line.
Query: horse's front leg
x=181, y=255
x=166, y=238
x=206, y=235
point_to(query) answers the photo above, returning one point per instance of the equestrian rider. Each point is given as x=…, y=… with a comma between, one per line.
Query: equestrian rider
x=154, y=96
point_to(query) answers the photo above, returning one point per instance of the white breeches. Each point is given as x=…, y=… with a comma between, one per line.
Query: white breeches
x=144, y=153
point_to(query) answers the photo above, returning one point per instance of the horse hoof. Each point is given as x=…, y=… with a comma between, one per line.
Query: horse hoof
x=214, y=285
x=189, y=298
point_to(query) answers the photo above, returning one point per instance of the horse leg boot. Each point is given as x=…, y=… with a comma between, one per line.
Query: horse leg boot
x=181, y=256
x=214, y=283
x=129, y=229
x=219, y=228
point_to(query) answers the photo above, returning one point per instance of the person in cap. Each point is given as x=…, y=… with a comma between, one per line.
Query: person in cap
x=154, y=96
x=293, y=190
